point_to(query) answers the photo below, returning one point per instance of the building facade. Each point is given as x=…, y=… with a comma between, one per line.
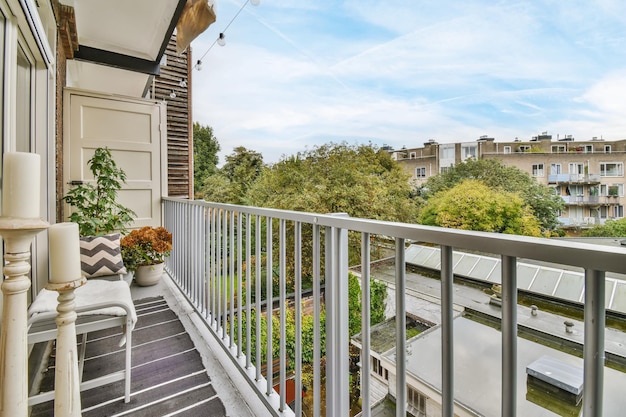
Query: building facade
x=588, y=175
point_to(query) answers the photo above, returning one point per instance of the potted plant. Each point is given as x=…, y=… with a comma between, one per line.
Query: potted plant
x=144, y=251
x=95, y=206
x=100, y=217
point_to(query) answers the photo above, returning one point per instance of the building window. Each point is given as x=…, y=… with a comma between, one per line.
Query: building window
x=575, y=168
x=524, y=148
x=23, y=125
x=469, y=151
x=378, y=369
x=558, y=148
x=537, y=170
x=588, y=149
x=613, y=190
x=555, y=169
x=420, y=172
x=417, y=402
x=447, y=151
x=618, y=212
x=443, y=170
x=607, y=148
x=413, y=155
x=612, y=169
x=604, y=212
x=507, y=149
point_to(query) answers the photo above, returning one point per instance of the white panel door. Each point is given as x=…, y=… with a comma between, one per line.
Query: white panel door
x=132, y=130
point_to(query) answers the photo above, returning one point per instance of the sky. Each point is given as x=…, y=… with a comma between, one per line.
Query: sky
x=295, y=74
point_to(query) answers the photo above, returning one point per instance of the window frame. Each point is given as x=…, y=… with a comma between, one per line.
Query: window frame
x=538, y=170
x=619, y=166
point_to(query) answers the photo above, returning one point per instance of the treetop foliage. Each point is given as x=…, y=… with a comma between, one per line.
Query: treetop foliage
x=205, y=159
x=359, y=180
x=611, y=228
x=472, y=205
x=544, y=204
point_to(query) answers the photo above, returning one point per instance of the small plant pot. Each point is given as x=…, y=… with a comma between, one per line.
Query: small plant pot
x=147, y=275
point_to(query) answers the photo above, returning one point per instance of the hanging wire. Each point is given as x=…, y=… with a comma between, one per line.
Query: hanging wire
x=221, y=35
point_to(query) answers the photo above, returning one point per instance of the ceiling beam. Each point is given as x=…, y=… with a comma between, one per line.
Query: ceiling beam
x=113, y=59
x=127, y=62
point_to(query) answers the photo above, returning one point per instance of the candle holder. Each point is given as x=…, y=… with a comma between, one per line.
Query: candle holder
x=66, y=378
x=18, y=234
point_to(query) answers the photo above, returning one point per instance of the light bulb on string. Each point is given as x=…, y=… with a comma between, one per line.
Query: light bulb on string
x=220, y=40
x=183, y=83
x=199, y=65
x=173, y=94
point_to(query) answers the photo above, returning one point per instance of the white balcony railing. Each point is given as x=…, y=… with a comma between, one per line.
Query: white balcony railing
x=213, y=263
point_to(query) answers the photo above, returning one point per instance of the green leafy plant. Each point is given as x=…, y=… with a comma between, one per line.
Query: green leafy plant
x=95, y=207
x=145, y=246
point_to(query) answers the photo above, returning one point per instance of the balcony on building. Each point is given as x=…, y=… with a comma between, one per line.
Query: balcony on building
x=588, y=179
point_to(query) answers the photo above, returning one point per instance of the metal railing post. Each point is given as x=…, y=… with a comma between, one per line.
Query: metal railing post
x=593, y=351
x=509, y=336
x=401, y=353
x=447, y=333
x=337, y=337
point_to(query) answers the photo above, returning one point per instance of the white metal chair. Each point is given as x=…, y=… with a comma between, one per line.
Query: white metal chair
x=100, y=304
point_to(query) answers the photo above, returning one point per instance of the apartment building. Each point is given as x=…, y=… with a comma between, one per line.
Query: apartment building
x=588, y=175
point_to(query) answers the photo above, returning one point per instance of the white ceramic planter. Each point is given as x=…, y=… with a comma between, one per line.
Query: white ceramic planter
x=147, y=275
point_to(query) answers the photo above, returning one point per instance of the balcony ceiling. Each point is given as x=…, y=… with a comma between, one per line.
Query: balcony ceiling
x=120, y=43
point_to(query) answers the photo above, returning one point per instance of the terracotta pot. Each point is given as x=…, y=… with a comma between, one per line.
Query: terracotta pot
x=147, y=275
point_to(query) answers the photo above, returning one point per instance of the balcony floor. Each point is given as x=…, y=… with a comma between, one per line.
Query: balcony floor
x=174, y=371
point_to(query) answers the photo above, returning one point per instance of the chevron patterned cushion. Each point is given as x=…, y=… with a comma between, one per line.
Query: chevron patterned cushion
x=101, y=255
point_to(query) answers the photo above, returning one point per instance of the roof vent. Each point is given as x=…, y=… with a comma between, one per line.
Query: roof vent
x=558, y=379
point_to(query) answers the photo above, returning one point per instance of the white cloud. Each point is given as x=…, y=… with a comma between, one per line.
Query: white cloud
x=295, y=74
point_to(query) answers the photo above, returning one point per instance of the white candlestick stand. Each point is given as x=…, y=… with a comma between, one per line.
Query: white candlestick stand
x=18, y=234
x=66, y=379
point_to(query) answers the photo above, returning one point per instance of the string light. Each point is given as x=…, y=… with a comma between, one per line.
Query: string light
x=221, y=37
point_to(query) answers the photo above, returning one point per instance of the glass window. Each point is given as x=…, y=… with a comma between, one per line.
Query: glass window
x=618, y=211
x=558, y=148
x=469, y=151
x=612, y=169
x=607, y=148
x=576, y=168
x=23, y=101
x=588, y=148
x=413, y=155
x=524, y=148
x=507, y=149
x=420, y=172
x=447, y=151
x=537, y=170
x=555, y=169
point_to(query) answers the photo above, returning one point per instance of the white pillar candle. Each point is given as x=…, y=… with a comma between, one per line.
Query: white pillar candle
x=64, y=253
x=21, y=185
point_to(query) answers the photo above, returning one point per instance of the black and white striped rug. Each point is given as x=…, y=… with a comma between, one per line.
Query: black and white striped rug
x=168, y=377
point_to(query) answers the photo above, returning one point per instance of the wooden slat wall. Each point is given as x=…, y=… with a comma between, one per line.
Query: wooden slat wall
x=179, y=124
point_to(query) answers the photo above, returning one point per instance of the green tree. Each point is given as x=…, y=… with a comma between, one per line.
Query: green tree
x=230, y=183
x=499, y=177
x=242, y=168
x=205, y=159
x=471, y=205
x=361, y=181
x=611, y=228
x=378, y=295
